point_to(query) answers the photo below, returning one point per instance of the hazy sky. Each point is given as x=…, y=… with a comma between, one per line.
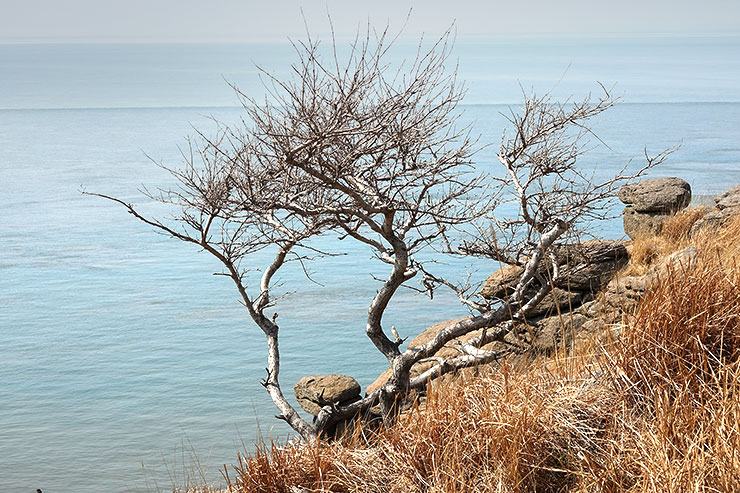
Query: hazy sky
x=249, y=20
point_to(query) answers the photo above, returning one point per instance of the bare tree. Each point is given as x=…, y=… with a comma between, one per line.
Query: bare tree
x=351, y=148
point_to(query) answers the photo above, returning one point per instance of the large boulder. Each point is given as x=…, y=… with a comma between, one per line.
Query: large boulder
x=501, y=283
x=591, y=252
x=589, y=265
x=314, y=391
x=651, y=202
x=585, y=267
x=557, y=301
x=665, y=195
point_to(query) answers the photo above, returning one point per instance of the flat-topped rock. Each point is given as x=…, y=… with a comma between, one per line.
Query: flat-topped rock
x=591, y=251
x=651, y=202
x=557, y=300
x=663, y=195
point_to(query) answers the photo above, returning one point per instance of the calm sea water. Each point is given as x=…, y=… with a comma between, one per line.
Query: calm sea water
x=121, y=356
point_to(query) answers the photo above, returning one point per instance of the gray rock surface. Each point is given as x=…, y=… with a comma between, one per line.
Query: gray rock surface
x=664, y=195
x=713, y=220
x=651, y=202
x=727, y=205
x=333, y=388
x=557, y=299
x=623, y=294
x=588, y=266
x=642, y=223
x=502, y=282
x=592, y=251
x=729, y=199
x=553, y=332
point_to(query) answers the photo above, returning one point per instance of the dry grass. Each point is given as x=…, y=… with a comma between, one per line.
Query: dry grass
x=646, y=250
x=656, y=411
x=676, y=370
x=506, y=432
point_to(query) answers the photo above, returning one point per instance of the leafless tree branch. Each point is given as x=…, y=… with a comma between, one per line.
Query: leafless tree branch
x=351, y=148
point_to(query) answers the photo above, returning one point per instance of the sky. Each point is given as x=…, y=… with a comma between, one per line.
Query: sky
x=272, y=20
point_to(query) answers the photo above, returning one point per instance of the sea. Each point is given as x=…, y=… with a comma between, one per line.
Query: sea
x=125, y=364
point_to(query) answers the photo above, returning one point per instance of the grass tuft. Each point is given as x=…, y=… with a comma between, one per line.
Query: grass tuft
x=647, y=249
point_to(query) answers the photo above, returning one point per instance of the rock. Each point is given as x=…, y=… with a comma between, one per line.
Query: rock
x=663, y=195
x=623, y=294
x=591, y=277
x=590, y=309
x=336, y=388
x=651, y=202
x=711, y=220
x=642, y=223
x=592, y=251
x=552, y=332
x=543, y=323
x=502, y=282
x=673, y=262
x=729, y=199
x=588, y=266
x=557, y=298
x=727, y=205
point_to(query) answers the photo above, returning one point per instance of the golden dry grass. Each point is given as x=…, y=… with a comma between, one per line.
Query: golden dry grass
x=647, y=249
x=657, y=410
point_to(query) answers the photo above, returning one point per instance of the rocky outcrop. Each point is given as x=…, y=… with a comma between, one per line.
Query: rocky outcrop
x=579, y=314
x=651, y=202
x=726, y=205
x=557, y=301
x=588, y=266
x=729, y=200
x=554, y=332
x=585, y=268
x=315, y=391
x=589, y=298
